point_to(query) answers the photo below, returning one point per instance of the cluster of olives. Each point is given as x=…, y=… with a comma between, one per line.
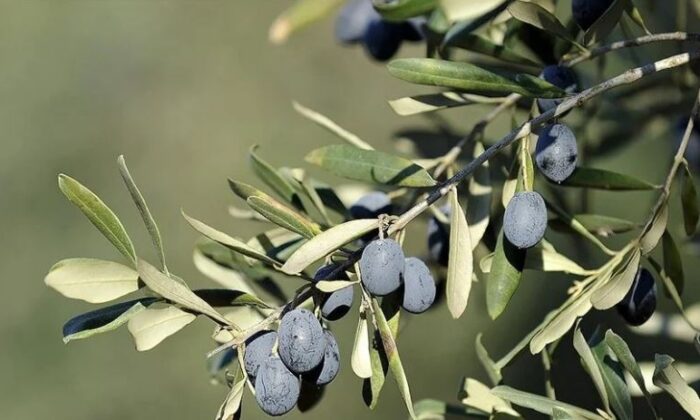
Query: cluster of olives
x=304, y=352
x=639, y=303
x=358, y=22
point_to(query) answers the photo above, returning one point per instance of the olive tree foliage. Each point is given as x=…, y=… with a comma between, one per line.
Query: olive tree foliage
x=491, y=205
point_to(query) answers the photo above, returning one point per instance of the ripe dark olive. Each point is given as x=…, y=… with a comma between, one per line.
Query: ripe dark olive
x=525, y=219
x=562, y=77
x=586, y=12
x=336, y=304
x=382, y=39
x=639, y=303
x=353, y=20
x=258, y=349
x=439, y=238
x=556, y=152
x=419, y=286
x=328, y=369
x=276, y=388
x=381, y=266
x=301, y=341
x=371, y=205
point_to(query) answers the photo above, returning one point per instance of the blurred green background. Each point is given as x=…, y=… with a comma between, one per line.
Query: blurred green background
x=182, y=89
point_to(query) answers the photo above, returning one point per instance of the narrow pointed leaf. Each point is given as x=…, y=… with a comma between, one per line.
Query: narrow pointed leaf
x=673, y=265
x=561, y=321
x=284, y=216
x=492, y=370
x=151, y=326
x=606, y=23
x=419, y=104
x=504, y=278
x=614, y=381
x=539, y=17
x=689, y=200
x=370, y=166
x=331, y=126
x=612, y=292
x=538, y=403
x=327, y=242
x=598, y=224
x=541, y=259
x=667, y=377
x=232, y=404
x=230, y=298
x=461, y=260
x=94, y=281
x=103, y=319
x=271, y=177
x=592, y=367
x=467, y=77
x=99, y=214
x=403, y=9
x=360, y=360
x=481, y=45
x=655, y=231
x=478, y=396
x=605, y=180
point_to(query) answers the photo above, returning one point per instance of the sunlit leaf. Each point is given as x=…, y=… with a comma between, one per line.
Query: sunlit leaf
x=284, y=216
x=467, y=77
x=476, y=395
x=331, y=126
x=151, y=326
x=370, y=166
x=592, y=366
x=655, y=230
x=230, y=298
x=272, y=178
x=360, y=360
x=420, y=104
x=667, y=377
x=612, y=292
x=538, y=403
x=461, y=261
x=492, y=370
x=462, y=10
x=99, y=214
x=232, y=404
x=92, y=280
x=440, y=410
x=298, y=15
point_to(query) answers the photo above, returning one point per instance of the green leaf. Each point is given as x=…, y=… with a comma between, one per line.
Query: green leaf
x=689, y=200
x=104, y=319
x=284, y=216
x=142, y=207
x=151, y=326
x=461, y=260
x=227, y=241
x=439, y=410
x=673, y=265
x=481, y=45
x=537, y=16
x=391, y=305
x=479, y=199
x=492, y=369
x=504, y=278
x=538, y=403
x=370, y=166
x=176, y=292
x=596, y=223
x=230, y=298
x=360, y=360
x=331, y=126
x=541, y=259
x=392, y=354
x=419, y=104
x=614, y=381
x=618, y=346
x=591, y=366
x=605, y=180
x=94, y=281
x=670, y=380
x=400, y=10
x=327, y=242
x=460, y=10
x=99, y=214
x=467, y=77
x=232, y=404
x=655, y=230
x=606, y=23
x=271, y=177
x=612, y=292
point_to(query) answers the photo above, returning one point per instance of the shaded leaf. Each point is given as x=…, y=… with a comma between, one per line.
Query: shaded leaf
x=605, y=23
x=370, y=166
x=283, y=216
x=230, y=298
x=689, y=201
x=605, y=180
x=479, y=44
x=479, y=199
x=272, y=178
x=673, y=265
x=504, y=278
x=492, y=369
x=327, y=242
x=92, y=280
x=613, y=379
x=596, y=223
x=537, y=16
x=667, y=377
x=151, y=326
x=591, y=365
x=439, y=410
x=104, y=319
x=99, y=214
x=467, y=77
x=461, y=261
x=541, y=259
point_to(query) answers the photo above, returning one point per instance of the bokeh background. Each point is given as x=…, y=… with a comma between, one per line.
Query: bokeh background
x=182, y=89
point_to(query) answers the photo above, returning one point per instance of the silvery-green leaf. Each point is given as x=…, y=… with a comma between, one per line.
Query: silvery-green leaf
x=271, y=177
x=230, y=298
x=613, y=379
x=283, y=216
x=468, y=77
x=226, y=277
x=370, y=166
x=598, y=224
x=479, y=199
x=591, y=366
x=492, y=370
x=92, y=280
x=612, y=292
x=227, y=241
x=459, y=10
x=504, y=277
x=461, y=261
x=401, y=10
x=331, y=126
x=655, y=230
x=176, y=292
x=330, y=286
x=373, y=386
x=689, y=200
x=99, y=214
x=245, y=191
x=561, y=321
x=151, y=326
x=144, y=211
x=419, y=104
x=104, y=319
x=326, y=242
x=537, y=16
x=298, y=15
x=476, y=395
x=673, y=265
x=670, y=380
x=539, y=403
x=606, y=23
x=605, y=180
x=360, y=360
x=232, y=404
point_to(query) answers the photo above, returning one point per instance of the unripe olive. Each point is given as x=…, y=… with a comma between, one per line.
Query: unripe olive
x=301, y=341
x=556, y=152
x=381, y=266
x=276, y=388
x=419, y=286
x=525, y=219
x=639, y=303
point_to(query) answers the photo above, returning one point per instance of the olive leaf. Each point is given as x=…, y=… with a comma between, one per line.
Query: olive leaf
x=370, y=166
x=461, y=261
x=459, y=10
x=420, y=104
x=231, y=298
x=673, y=265
x=605, y=180
x=92, y=280
x=479, y=199
x=151, y=326
x=689, y=201
x=592, y=366
x=143, y=209
x=439, y=410
x=655, y=230
x=492, y=369
x=360, y=360
x=176, y=292
x=231, y=279
x=272, y=178
x=478, y=396
x=540, y=258
x=327, y=242
x=539, y=17
x=481, y=45
x=103, y=320
x=598, y=224
x=330, y=286
x=504, y=277
x=540, y=404
x=283, y=216
x=605, y=23
x=231, y=406
x=99, y=214
x=468, y=77
x=615, y=289
x=331, y=126
x=667, y=377
x=400, y=10
x=391, y=305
